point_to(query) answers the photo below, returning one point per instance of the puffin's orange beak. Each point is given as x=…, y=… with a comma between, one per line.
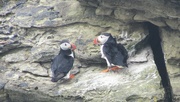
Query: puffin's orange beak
x=73, y=47
x=95, y=41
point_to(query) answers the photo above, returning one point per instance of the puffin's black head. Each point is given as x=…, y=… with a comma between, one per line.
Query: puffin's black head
x=103, y=38
x=65, y=45
x=64, y=41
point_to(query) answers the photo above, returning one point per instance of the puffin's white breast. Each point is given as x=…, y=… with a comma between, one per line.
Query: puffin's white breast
x=72, y=54
x=103, y=56
x=102, y=53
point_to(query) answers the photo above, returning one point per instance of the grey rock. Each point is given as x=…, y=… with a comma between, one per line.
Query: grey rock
x=38, y=16
x=34, y=69
x=174, y=61
x=5, y=29
x=3, y=66
x=43, y=53
x=139, y=58
x=2, y=84
x=125, y=15
x=16, y=57
x=9, y=6
x=9, y=45
x=104, y=11
x=23, y=85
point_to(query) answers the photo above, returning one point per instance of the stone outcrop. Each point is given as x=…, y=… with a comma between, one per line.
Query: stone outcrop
x=30, y=31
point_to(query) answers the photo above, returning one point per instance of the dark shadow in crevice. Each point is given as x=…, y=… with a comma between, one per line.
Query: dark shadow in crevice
x=154, y=41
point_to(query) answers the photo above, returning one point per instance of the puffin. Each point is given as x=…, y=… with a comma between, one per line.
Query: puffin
x=115, y=54
x=63, y=62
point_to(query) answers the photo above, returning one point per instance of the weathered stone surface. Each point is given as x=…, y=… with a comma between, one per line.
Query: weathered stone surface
x=107, y=85
x=5, y=29
x=103, y=11
x=2, y=84
x=42, y=53
x=8, y=42
x=9, y=6
x=9, y=45
x=20, y=56
x=139, y=58
x=3, y=95
x=32, y=68
x=37, y=16
x=157, y=11
x=3, y=67
x=123, y=14
x=171, y=47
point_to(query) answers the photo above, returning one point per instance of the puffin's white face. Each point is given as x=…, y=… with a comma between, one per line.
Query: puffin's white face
x=65, y=46
x=102, y=38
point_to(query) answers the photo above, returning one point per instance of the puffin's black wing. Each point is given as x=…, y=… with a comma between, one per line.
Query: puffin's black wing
x=111, y=53
x=116, y=55
x=118, y=59
x=61, y=65
x=108, y=52
x=124, y=52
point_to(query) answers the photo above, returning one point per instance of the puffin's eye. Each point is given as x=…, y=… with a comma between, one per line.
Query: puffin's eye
x=101, y=37
x=65, y=44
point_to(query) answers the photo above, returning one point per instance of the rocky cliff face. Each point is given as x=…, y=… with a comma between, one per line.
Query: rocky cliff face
x=29, y=35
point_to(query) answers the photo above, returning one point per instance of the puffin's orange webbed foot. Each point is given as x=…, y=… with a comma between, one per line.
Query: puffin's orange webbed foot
x=72, y=76
x=114, y=68
x=106, y=70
